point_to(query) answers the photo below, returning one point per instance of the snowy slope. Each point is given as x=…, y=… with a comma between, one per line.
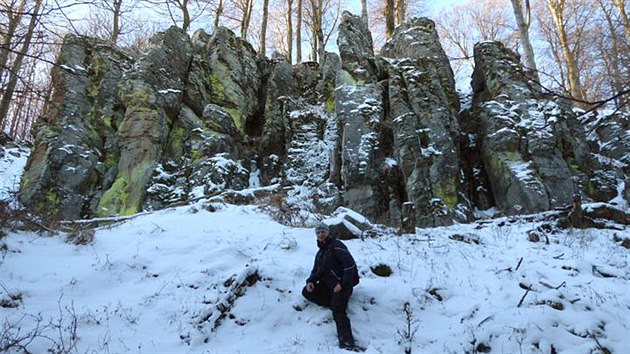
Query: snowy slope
x=217, y=278
x=147, y=284
x=12, y=163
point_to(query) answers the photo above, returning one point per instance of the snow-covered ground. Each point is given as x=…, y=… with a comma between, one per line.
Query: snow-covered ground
x=217, y=278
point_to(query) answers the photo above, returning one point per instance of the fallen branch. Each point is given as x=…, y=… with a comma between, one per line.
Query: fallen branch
x=108, y=219
x=519, y=264
x=523, y=298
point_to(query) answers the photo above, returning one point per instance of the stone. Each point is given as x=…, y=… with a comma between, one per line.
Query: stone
x=356, y=48
x=152, y=100
x=525, y=138
x=75, y=147
x=418, y=38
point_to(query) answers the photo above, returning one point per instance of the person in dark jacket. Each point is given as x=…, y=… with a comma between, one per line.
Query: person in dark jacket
x=330, y=283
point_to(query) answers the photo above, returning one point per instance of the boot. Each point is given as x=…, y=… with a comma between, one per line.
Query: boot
x=344, y=332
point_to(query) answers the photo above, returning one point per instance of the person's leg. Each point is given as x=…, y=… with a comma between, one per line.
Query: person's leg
x=339, y=305
x=320, y=295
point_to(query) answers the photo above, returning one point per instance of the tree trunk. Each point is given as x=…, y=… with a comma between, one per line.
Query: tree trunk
x=556, y=7
x=263, y=29
x=185, y=15
x=116, y=21
x=401, y=11
x=14, y=21
x=612, y=59
x=298, y=34
x=364, y=12
x=624, y=17
x=217, y=15
x=316, y=14
x=290, y=30
x=245, y=21
x=320, y=32
x=390, y=20
x=17, y=64
x=523, y=30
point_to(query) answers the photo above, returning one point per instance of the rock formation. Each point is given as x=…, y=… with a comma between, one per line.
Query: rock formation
x=379, y=134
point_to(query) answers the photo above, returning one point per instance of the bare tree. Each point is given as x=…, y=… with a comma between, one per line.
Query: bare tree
x=246, y=8
x=523, y=22
x=117, y=12
x=13, y=74
x=461, y=26
x=217, y=14
x=183, y=12
x=263, y=29
x=390, y=18
x=621, y=6
x=364, y=12
x=298, y=33
x=614, y=52
x=112, y=20
x=385, y=15
x=289, y=21
x=321, y=16
x=557, y=8
x=13, y=11
x=401, y=11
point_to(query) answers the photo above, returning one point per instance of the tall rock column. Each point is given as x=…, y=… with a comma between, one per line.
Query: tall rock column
x=423, y=107
x=151, y=94
x=359, y=109
x=532, y=146
x=75, y=150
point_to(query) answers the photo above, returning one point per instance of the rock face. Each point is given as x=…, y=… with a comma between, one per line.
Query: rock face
x=533, y=148
x=76, y=151
x=423, y=110
x=382, y=135
x=360, y=111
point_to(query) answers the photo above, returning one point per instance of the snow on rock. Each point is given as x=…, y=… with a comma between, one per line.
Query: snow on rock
x=190, y=280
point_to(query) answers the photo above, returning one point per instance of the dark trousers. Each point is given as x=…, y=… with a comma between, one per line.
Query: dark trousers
x=338, y=303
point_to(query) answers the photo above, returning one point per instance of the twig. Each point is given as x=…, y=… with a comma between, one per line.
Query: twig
x=519, y=264
x=561, y=285
x=108, y=219
x=558, y=256
x=523, y=298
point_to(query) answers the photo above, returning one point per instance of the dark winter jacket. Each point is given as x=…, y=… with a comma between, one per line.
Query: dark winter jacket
x=334, y=264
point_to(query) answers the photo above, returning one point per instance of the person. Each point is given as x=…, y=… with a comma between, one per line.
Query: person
x=331, y=281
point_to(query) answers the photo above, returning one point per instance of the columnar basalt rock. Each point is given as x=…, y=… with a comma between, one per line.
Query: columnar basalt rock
x=608, y=137
x=418, y=38
x=280, y=85
x=151, y=94
x=423, y=107
x=379, y=134
x=75, y=152
x=531, y=145
x=359, y=108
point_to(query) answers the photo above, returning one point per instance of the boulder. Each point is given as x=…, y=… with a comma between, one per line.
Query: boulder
x=233, y=75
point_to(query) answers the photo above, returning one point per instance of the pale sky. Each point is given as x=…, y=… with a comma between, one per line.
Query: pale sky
x=354, y=6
